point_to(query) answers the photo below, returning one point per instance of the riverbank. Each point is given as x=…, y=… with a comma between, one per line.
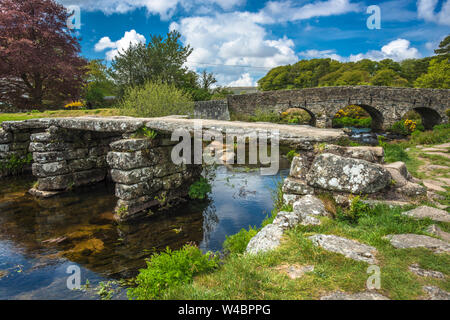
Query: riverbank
x=58, y=113
x=298, y=269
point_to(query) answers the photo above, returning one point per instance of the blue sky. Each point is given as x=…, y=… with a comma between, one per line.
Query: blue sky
x=240, y=40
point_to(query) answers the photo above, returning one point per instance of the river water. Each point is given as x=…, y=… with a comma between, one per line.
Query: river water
x=40, y=239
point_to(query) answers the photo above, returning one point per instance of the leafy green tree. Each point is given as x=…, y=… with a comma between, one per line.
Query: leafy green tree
x=388, y=77
x=162, y=59
x=411, y=69
x=352, y=78
x=438, y=75
x=444, y=48
x=98, y=83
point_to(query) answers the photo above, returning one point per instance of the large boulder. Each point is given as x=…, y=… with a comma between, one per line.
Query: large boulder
x=371, y=154
x=425, y=212
x=336, y=173
x=299, y=167
x=408, y=241
x=349, y=248
x=265, y=240
x=296, y=186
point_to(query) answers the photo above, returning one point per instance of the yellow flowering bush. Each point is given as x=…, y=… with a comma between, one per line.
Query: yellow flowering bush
x=74, y=105
x=410, y=125
x=352, y=111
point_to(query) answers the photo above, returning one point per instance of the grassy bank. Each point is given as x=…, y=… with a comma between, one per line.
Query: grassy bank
x=57, y=113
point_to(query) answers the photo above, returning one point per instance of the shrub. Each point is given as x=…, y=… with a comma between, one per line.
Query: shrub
x=199, y=189
x=393, y=152
x=169, y=269
x=357, y=210
x=439, y=134
x=265, y=116
x=155, y=100
x=145, y=132
x=74, y=105
x=352, y=122
x=399, y=128
x=291, y=154
x=238, y=242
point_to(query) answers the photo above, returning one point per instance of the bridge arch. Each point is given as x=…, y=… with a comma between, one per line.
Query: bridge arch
x=430, y=117
x=374, y=113
x=312, y=121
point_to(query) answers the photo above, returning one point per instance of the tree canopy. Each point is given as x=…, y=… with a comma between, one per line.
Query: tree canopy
x=39, y=57
x=387, y=72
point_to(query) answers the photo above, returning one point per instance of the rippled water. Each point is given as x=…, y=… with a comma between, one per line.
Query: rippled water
x=39, y=239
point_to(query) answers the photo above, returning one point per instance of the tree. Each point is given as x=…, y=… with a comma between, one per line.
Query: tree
x=438, y=75
x=388, y=77
x=162, y=59
x=444, y=48
x=98, y=83
x=39, y=57
x=207, y=80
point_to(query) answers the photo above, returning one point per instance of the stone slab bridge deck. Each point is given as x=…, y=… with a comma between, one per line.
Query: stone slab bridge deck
x=73, y=152
x=386, y=105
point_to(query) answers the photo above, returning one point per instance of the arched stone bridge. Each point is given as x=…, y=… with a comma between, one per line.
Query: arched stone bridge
x=386, y=105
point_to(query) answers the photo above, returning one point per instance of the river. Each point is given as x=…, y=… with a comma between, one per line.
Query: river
x=40, y=239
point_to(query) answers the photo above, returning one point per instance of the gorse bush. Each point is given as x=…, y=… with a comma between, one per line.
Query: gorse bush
x=169, y=269
x=155, y=100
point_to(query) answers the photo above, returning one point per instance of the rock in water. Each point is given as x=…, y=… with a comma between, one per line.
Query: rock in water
x=350, y=248
x=336, y=173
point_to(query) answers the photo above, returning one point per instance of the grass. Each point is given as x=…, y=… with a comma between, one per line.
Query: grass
x=255, y=277
x=57, y=113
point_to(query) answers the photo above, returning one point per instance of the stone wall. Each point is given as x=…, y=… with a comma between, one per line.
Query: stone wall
x=64, y=159
x=213, y=109
x=386, y=105
x=146, y=177
x=14, y=156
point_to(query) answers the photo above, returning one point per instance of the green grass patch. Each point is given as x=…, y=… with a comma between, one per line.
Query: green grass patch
x=57, y=114
x=257, y=277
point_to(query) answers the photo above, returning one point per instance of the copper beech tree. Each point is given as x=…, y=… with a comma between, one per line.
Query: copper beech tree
x=39, y=56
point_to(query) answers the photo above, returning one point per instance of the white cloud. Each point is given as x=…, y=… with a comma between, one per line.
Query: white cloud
x=426, y=10
x=164, y=8
x=233, y=44
x=129, y=38
x=311, y=54
x=396, y=50
x=283, y=11
x=244, y=81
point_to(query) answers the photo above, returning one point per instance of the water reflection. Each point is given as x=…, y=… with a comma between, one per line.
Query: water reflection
x=39, y=239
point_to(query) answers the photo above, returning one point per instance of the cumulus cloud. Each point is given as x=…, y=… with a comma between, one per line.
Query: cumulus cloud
x=229, y=43
x=396, y=50
x=426, y=10
x=244, y=81
x=130, y=38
